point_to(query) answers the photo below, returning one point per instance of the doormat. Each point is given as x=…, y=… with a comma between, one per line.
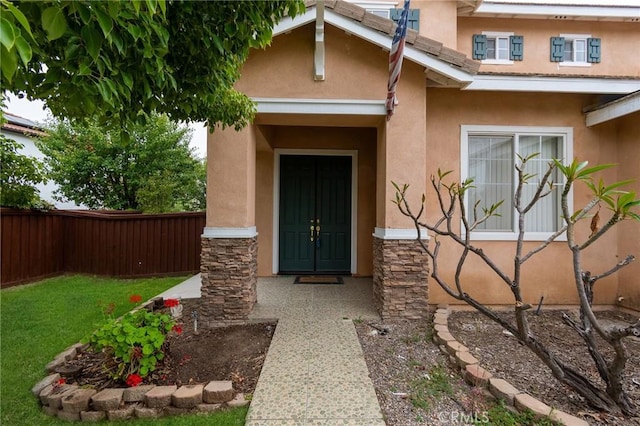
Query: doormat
x=318, y=279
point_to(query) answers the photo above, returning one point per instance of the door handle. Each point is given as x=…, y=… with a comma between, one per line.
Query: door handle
x=312, y=237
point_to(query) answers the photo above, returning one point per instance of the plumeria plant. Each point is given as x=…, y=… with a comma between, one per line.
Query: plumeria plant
x=135, y=342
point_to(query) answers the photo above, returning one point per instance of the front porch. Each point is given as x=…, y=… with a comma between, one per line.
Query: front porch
x=336, y=182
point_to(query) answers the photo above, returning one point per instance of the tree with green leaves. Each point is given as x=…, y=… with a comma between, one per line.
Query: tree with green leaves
x=122, y=59
x=155, y=170
x=18, y=176
x=604, y=342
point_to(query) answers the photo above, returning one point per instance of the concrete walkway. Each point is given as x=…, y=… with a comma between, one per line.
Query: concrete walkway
x=314, y=373
x=188, y=289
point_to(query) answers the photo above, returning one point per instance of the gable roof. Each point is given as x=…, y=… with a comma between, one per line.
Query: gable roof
x=449, y=64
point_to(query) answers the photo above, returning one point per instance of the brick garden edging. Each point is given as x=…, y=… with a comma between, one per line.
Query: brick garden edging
x=475, y=375
x=70, y=402
x=73, y=403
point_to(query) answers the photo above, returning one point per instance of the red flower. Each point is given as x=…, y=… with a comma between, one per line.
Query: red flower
x=135, y=298
x=170, y=303
x=133, y=380
x=61, y=382
x=177, y=329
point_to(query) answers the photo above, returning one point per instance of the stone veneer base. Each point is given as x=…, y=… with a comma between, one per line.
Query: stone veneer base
x=229, y=271
x=475, y=375
x=400, y=274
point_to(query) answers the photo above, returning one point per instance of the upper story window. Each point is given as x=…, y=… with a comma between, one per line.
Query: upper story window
x=380, y=12
x=388, y=9
x=489, y=155
x=413, y=18
x=575, y=50
x=379, y=8
x=497, y=47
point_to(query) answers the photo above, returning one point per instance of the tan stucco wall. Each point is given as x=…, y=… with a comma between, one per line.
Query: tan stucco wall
x=362, y=140
x=285, y=69
x=438, y=20
x=231, y=190
x=548, y=274
x=619, y=41
x=424, y=130
x=403, y=149
x=628, y=144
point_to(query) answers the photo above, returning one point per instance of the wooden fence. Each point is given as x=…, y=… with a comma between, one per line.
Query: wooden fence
x=37, y=245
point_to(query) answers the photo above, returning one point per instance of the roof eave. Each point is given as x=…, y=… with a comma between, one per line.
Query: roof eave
x=556, y=11
x=455, y=67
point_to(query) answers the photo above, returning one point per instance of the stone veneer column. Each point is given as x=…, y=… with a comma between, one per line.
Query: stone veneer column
x=400, y=274
x=229, y=271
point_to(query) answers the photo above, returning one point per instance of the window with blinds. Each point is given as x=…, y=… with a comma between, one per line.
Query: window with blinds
x=490, y=157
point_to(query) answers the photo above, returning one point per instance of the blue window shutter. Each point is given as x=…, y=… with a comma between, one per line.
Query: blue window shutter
x=413, y=20
x=516, y=52
x=557, y=49
x=479, y=46
x=593, y=50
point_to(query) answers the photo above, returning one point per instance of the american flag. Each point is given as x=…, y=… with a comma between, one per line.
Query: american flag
x=395, y=60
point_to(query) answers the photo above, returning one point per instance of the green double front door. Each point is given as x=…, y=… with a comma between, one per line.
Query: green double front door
x=315, y=214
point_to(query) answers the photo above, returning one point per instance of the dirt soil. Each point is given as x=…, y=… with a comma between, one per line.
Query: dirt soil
x=504, y=357
x=233, y=353
x=400, y=361
x=404, y=364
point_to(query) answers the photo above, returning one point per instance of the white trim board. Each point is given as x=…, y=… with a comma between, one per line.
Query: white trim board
x=400, y=234
x=320, y=106
x=614, y=109
x=618, y=13
x=516, y=83
x=222, y=232
x=278, y=152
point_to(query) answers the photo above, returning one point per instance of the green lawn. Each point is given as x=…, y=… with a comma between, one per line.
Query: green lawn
x=40, y=320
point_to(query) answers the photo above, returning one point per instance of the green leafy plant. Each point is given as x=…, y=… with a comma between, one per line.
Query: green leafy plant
x=500, y=415
x=136, y=343
x=123, y=59
x=433, y=386
x=19, y=176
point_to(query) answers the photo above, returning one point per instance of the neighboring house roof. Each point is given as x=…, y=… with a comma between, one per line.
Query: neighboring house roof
x=451, y=65
x=17, y=124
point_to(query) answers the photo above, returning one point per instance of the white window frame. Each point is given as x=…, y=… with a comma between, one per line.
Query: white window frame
x=384, y=13
x=572, y=38
x=496, y=35
x=471, y=130
x=379, y=8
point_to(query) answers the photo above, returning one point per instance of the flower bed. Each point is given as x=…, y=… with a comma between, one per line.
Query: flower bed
x=132, y=345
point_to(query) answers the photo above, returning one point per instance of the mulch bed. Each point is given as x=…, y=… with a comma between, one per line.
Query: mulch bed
x=233, y=353
x=504, y=357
